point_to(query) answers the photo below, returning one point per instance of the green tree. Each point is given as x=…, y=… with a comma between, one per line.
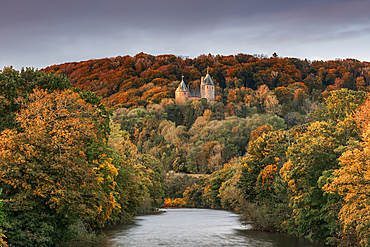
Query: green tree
x=15, y=84
x=314, y=153
x=155, y=174
x=340, y=104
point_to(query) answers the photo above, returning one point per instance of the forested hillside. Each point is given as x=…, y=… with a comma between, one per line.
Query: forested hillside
x=199, y=136
x=145, y=79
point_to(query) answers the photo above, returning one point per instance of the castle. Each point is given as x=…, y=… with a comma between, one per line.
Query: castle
x=207, y=90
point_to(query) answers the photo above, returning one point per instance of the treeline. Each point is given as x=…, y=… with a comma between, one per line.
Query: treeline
x=145, y=79
x=65, y=168
x=311, y=180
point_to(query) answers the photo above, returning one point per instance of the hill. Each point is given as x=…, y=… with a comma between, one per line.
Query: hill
x=145, y=79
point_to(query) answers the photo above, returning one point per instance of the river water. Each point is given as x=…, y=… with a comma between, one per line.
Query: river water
x=195, y=227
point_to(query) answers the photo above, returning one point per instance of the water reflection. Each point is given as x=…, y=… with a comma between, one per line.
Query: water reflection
x=195, y=227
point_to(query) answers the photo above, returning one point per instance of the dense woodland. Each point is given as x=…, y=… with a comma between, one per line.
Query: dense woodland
x=65, y=167
x=88, y=144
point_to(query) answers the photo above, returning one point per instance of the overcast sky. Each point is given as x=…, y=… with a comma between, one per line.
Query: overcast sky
x=39, y=33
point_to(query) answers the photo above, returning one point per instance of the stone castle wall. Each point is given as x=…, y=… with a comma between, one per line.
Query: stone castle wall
x=208, y=92
x=181, y=97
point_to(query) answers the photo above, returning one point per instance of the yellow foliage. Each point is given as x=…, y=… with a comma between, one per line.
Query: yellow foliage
x=3, y=243
x=178, y=202
x=48, y=159
x=352, y=182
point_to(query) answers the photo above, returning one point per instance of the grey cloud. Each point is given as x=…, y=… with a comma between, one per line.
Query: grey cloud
x=43, y=32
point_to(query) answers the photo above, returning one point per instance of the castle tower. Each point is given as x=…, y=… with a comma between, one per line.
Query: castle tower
x=182, y=92
x=207, y=87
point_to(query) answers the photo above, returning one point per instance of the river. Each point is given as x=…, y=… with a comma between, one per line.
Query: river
x=195, y=227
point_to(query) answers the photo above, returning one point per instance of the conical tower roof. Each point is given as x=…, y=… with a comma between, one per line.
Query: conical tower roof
x=208, y=79
x=182, y=86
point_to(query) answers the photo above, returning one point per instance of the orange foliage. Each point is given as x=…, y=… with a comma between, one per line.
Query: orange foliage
x=267, y=175
x=259, y=131
x=178, y=202
x=110, y=76
x=362, y=115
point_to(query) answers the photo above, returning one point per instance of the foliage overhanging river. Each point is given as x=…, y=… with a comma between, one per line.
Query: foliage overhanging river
x=195, y=227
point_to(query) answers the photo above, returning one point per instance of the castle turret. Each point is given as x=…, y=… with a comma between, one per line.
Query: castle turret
x=207, y=88
x=182, y=92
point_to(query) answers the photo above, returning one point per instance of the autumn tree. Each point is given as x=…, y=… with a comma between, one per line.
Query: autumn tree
x=285, y=96
x=255, y=160
x=265, y=100
x=314, y=153
x=52, y=166
x=15, y=84
x=139, y=183
x=351, y=181
x=340, y=104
